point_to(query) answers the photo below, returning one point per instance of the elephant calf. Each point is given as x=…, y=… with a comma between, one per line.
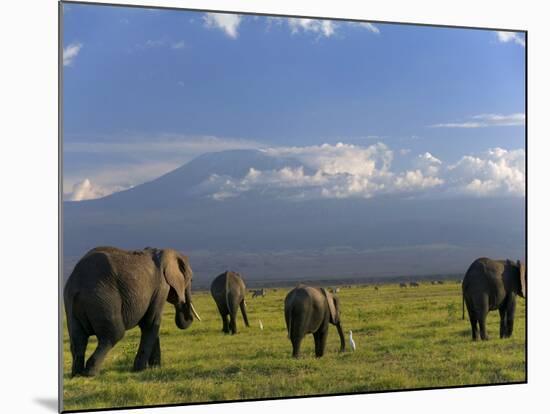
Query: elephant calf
x=228, y=291
x=489, y=285
x=112, y=290
x=309, y=310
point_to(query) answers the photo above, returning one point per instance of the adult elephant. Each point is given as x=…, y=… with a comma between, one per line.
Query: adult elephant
x=228, y=291
x=489, y=285
x=112, y=290
x=309, y=310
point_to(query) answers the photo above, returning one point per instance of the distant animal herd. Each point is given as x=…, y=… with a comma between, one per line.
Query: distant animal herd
x=111, y=290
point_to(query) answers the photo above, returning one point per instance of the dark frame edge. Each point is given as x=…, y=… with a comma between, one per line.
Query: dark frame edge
x=526, y=209
x=60, y=205
x=60, y=383
x=248, y=13
x=136, y=407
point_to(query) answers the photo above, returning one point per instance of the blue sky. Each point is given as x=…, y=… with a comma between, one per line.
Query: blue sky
x=147, y=90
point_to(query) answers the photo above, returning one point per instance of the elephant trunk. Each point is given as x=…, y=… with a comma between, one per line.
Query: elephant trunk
x=184, y=310
x=342, y=340
x=184, y=319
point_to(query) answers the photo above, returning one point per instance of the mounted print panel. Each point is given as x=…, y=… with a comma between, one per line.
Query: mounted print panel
x=260, y=207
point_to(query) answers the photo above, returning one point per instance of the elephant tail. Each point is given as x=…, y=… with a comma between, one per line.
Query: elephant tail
x=296, y=323
x=227, y=293
x=462, y=305
x=243, y=311
x=288, y=324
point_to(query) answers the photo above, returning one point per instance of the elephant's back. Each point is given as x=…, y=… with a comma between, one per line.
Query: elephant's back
x=218, y=284
x=103, y=263
x=227, y=281
x=236, y=280
x=484, y=277
x=111, y=280
x=89, y=271
x=299, y=296
x=483, y=268
x=303, y=309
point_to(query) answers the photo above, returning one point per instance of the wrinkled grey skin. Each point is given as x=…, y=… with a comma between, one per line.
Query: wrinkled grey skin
x=228, y=291
x=112, y=290
x=309, y=310
x=490, y=285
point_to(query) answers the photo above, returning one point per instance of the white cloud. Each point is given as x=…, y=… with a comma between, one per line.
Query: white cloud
x=158, y=43
x=333, y=171
x=160, y=145
x=486, y=120
x=70, y=53
x=178, y=45
x=458, y=125
x=154, y=43
x=340, y=158
x=138, y=159
x=318, y=171
x=112, y=178
x=228, y=23
x=427, y=164
x=416, y=180
x=348, y=171
x=367, y=26
x=324, y=28
x=496, y=172
x=429, y=158
x=514, y=37
x=85, y=190
x=501, y=120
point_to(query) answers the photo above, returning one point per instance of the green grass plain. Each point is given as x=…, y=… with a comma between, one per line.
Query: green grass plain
x=406, y=338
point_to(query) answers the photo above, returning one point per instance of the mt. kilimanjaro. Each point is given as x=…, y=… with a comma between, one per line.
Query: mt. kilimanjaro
x=270, y=232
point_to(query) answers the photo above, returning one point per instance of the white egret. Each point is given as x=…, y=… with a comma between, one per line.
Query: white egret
x=351, y=341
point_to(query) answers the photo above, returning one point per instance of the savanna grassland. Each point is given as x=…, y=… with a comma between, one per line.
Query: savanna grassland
x=406, y=338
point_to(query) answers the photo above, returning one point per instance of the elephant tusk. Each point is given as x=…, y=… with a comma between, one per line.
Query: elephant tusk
x=195, y=312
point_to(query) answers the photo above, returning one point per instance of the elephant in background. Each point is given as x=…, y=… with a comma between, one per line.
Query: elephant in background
x=489, y=285
x=309, y=310
x=112, y=290
x=228, y=291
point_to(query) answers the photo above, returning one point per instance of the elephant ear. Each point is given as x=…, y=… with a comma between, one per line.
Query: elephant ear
x=331, y=307
x=522, y=279
x=174, y=270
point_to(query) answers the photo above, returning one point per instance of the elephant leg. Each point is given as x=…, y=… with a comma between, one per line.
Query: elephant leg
x=482, y=310
x=473, y=321
x=320, y=338
x=154, y=358
x=483, y=326
x=296, y=343
x=503, y=326
x=79, y=342
x=94, y=362
x=233, y=322
x=510, y=314
x=224, y=316
x=225, y=321
x=475, y=333
x=149, y=337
